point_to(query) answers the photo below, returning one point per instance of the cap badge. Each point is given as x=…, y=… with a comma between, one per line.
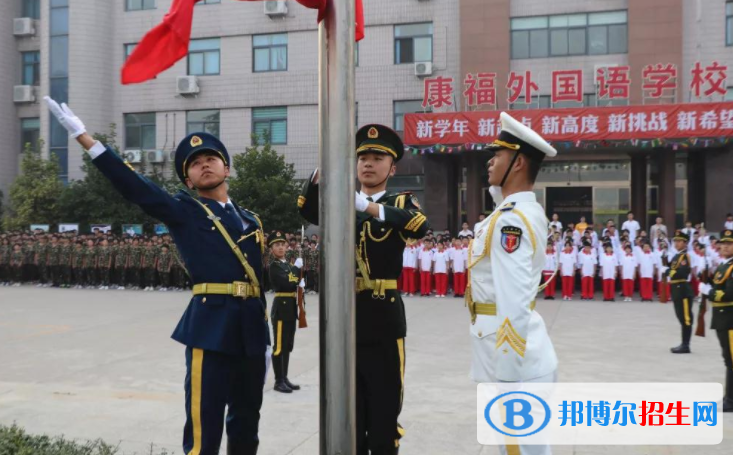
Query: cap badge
x=196, y=141
x=373, y=133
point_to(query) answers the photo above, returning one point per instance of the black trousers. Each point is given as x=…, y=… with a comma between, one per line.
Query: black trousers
x=380, y=375
x=683, y=298
x=215, y=381
x=283, y=335
x=725, y=337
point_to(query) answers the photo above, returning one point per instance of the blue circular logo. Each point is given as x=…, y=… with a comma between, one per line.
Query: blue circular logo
x=511, y=412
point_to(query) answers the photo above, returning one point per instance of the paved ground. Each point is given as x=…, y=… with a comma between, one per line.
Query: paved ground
x=90, y=364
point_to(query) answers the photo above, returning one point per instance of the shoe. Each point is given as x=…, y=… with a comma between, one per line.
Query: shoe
x=681, y=349
x=281, y=387
x=239, y=448
x=290, y=384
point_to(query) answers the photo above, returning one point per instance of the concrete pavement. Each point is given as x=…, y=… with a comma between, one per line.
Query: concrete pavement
x=100, y=364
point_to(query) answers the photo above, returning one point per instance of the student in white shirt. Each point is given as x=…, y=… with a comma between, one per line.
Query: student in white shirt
x=663, y=287
x=587, y=262
x=548, y=272
x=628, y=273
x=409, y=264
x=426, y=268
x=465, y=232
x=440, y=271
x=609, y=269
x=458, y=265
x=631, y=225
x=568, y=267
x=728, y=221
x=555, y=223
x=646, y=273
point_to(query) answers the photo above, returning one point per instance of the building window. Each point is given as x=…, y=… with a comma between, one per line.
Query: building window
x=537, y=102
x=30, y=133
x=729, y=24
x=413, y=43
x=406, y=107
x=140, y=131
x=202, y=121
x=31, y=68
x=58, y=138
x=129, y=48
x=272, y=121
x=32, y=9
x=208, y=2
x=569, y=34
x=729, y=94
x=589, y=100
x=270, y=52
x=204, y=57
x=139, y=5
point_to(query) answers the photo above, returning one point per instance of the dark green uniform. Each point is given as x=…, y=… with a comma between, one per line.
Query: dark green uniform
x=133, y=266
x=89, y=266
x=40, y=261
x=380, y=313
x=52, y=263
x=312, y=266
x=104, y=265
x=149, y=255
x=65, y=266
x=121, y=253
x=682, y=295
x=284, y=279
x=16, y=266
x=165, y=261
x=77, y=266
x=29, y=267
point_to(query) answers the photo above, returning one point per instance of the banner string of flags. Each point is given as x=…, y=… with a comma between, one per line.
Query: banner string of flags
x=676, y=144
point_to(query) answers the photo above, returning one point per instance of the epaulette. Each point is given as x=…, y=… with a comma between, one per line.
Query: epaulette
x=508, y=208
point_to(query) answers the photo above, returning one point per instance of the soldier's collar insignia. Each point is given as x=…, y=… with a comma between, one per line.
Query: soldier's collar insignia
x=196, y=141
x=373, y=133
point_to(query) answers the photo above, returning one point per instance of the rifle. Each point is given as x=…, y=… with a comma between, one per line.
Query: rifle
x=302, y=322
x=700, y=329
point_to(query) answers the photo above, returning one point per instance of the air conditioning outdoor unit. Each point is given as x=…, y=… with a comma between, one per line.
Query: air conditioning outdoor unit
x=276, y=8
x=155, y=156
x=23, y=94
x=423, y=69
x=601, y=67
x=23, y=26
x=187, y=85
x=133, y=156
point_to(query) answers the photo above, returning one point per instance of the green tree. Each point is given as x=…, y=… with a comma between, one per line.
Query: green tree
x=35, y=194
x=265, y=184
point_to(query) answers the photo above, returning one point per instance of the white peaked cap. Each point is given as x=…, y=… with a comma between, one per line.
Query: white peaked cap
x=524, y=133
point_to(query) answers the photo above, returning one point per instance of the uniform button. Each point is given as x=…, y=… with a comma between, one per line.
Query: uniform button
x=480, y=334
x=203, y=300
x=382, y=229
x=392, y=299
x=212, y=228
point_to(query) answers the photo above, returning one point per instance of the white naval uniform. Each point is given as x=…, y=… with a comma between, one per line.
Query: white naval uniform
x=523, y=351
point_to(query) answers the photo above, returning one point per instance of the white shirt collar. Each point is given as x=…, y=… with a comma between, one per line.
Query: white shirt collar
x=522, y=196
x=223, y=204
x=375, y=197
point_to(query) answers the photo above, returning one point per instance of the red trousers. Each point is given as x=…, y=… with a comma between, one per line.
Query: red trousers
x=441, y=283
x=609, y=288
x=408, y=280
x=664, y=291
x=645, y=288
x=568, y=285
x=459, y=283
x=628, y=288
x=425, y=283
x=550, y=288
x=586, y=284
x=694, y=282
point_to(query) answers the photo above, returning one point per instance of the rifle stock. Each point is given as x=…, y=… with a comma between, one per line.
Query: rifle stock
x=700, y=329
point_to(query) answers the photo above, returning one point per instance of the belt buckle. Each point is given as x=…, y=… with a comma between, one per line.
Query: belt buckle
x=240, y=289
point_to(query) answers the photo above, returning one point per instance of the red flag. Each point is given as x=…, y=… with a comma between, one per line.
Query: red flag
x=168, y=42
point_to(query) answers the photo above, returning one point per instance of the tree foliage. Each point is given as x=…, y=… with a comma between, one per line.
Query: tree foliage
x=264, y=183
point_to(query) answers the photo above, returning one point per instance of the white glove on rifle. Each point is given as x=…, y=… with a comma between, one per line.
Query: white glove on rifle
x=302, y=283
x=704, y=288
x=66, y=118
x=664, y=269
x=361, y=202
x=299, y=263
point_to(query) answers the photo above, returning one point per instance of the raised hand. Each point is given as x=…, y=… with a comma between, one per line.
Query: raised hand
x=66, y=118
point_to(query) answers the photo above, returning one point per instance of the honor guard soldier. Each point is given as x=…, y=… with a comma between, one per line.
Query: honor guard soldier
x=224, y=327
x=678, y=274
x=505, y=262
x=720, y=294
x=384, y=223
x=284, y=279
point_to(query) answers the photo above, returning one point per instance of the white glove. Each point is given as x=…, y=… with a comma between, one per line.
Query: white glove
x=664, y=269
x=66, y=118
x=704, y=288
x=302, y=283
x=360, y=202
x=496, y=194
x=299, y=263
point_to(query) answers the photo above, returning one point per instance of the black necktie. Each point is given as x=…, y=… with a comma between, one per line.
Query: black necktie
x=232, y=215
x=369, y=198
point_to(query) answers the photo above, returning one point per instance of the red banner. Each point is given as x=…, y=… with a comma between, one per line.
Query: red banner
x=586, y=124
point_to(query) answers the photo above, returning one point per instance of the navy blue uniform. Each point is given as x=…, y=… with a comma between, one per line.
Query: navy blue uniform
x=226, y=337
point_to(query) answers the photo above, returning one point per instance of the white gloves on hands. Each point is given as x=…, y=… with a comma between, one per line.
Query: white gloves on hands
x=299, y=263
x=361, y=202
x=66, y=118
x=302, y=283
x=496, y=194
x=664, y=269
x=704, y=288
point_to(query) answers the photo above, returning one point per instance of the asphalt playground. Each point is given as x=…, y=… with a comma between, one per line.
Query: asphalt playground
x=91, y=364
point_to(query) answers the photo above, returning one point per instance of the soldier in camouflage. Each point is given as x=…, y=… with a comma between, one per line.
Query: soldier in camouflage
x=104, y=264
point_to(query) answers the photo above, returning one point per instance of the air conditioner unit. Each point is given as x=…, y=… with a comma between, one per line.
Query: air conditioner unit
x=133, y=156
x=23, y=26
x=155, y=156
x=23, y=94
x=601, y=67
x=423, y=69
x=187, y=85
x=276, y=8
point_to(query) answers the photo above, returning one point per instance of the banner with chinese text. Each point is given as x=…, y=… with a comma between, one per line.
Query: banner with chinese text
x=576, y=124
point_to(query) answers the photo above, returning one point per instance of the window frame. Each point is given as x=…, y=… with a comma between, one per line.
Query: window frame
x=269, y=48
x=269, y=121
x=729, y=20
x=395, y=114
x=203, y=123
x=412, y=38
x=24, y=129
x=142, y=5
x=31, y=8
x=139, y=126
x=35, y=65
x=204, y=53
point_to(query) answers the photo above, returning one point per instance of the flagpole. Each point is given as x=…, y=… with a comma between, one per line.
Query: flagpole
x=337, y=223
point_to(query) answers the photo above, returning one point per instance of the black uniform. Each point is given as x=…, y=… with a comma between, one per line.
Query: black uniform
x=682, y=295
x=380, y=313
x=721, y=298
x=284, y=279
